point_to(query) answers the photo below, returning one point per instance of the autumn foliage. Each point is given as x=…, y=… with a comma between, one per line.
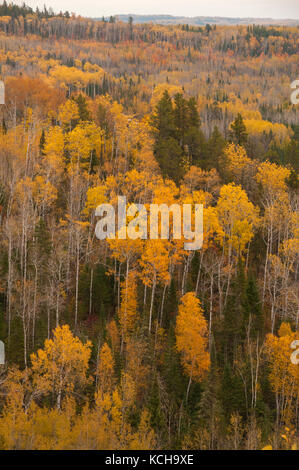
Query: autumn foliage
x=139, y=343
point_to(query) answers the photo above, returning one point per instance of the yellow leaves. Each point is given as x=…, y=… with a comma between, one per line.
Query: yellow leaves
x=105, y=371
x=54, y=141
x=192, y=337
x=68, y=112
x=128, y=388
x=125, y=250
x=164, y=193
x=62, y=364
x=159, y=91
x=290, y=248
x=284, y=375
x=196, y=178
x=94, y=197
x=154, y=262
x=272, y=178
x=144, y=439
x=84, y=139
x=128, y=309
x=237, y=216
x=54, y=150
x=213, y=231
x=43, y=191
x=40, y=190
x=289, y=440
x=285, y=330
x=238, y=163
x=280, y=132
x=114, y=335
x=88, y=67
x=73, y=76
x=235, y=106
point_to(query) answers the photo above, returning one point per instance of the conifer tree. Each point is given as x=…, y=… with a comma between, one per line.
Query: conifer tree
x=238, y=132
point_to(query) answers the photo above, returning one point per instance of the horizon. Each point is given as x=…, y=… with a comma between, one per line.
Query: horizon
x=211, y=8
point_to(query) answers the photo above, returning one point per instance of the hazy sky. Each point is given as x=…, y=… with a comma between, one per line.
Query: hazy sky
x=233, y=8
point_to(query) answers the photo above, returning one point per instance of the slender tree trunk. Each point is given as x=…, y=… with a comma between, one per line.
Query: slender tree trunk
x=90, y=291
x=152, y=303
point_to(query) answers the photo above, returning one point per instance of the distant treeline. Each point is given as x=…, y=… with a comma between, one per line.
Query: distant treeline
x=21, y=21
x=10, y=9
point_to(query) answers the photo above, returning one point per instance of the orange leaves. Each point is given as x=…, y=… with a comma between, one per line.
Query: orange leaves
x=105, y=370
x=34, y=92
x=196, y=178
x=128, y=309
x=284, y=375
x=192, y=337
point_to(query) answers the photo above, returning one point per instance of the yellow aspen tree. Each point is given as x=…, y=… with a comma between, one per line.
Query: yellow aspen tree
x=68, y=113
x=128, y=308
x=62, y=365
x=144, y=438
x=105, y=369
x=284, y=374
x=154, y=264
x=275, y=200
x=238, y=219
x=239, y=166
x=192, y=338
x=53, y=154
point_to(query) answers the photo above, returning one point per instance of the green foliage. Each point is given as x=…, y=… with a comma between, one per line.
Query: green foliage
x=238, y=133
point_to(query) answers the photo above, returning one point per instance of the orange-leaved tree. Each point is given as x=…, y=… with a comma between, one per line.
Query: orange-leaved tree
x=192, y=338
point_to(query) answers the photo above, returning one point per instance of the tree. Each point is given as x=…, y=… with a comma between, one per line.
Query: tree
x=192, y=338
x=214, y=150
x=128, y=308
x=238, y=132
x=237, y=216
x=284, y=375
x=154, y=263
x=84, y=114
x=62, y=365
x=105, y=369
x=167, y=149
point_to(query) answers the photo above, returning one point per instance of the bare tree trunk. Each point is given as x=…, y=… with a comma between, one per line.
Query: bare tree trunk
x=77, y=282
x=90, y=291
x=162, y=304
x=152, y=303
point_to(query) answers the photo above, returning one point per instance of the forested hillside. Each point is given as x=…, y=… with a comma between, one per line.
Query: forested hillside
x=140, y=344
x=203, y=20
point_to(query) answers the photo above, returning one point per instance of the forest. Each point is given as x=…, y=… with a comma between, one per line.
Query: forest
x=140, y=344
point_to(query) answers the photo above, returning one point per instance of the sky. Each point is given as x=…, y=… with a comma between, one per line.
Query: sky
x=278, y=9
